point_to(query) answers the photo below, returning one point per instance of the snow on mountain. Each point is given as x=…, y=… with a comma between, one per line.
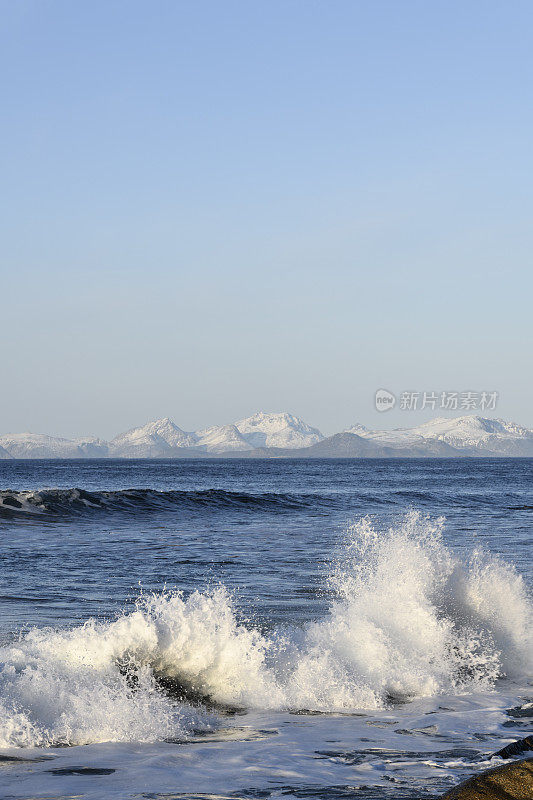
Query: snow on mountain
x=92, y=447
x=470, y=430
x=357, y=430
x=261, y=430
x=473, y=434
x=149, y=441
x=462, y=436
x=397, y=436
x=39, y=445
x=222, y=439
x=277, y=430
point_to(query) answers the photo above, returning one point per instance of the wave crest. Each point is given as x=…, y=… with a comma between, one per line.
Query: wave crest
x=409, y=619
x=66, y=502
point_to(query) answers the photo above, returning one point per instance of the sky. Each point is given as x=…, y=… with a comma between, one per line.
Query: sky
x=212, y=208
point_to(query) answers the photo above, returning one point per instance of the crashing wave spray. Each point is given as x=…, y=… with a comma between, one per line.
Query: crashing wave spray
x=409, y=620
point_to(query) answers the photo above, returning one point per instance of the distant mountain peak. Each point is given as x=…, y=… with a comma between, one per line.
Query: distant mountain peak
x=279, y=429
x=472, y=423
x=357, y=429
x=282, y=433
x=222, y=439
x=153, y=439
x=469, y=434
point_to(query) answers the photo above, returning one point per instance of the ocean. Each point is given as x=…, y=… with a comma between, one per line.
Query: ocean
x=262, y=628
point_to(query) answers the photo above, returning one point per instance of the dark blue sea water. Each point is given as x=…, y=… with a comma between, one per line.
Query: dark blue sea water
x=143, y=601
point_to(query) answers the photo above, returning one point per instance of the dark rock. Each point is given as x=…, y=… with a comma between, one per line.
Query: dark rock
x=525, y=711
x=508, y=782
x=516, y=748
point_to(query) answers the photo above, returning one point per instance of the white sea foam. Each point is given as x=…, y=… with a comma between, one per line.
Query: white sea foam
x=70, y=688
x=409, y=620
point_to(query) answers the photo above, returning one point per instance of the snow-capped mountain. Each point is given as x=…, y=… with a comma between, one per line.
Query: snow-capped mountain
x=477, y=432
x=357, y=430
x=260, y=430
x=39, y=445
x=473, y=435
x=277, y=430
x=285, y=435
x=150, y=441
x=222, y=439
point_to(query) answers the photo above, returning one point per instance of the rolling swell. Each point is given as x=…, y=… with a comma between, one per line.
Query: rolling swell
x=61, y=503
x=67, y=502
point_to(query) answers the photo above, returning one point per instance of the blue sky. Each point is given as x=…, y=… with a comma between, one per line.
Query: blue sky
x=212, y=208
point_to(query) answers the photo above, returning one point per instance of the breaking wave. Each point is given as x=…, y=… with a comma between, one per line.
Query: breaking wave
x=409, y=619
x=62, y=502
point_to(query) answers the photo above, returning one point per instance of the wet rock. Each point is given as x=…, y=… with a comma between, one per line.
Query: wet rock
x=508, y=782
x=525, y=710
x=516, y=748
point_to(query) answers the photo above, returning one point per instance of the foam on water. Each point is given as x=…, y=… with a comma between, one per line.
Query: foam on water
x=71, y=688
x=408, y=620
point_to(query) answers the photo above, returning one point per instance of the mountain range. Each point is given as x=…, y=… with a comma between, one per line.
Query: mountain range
x=283, y=435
